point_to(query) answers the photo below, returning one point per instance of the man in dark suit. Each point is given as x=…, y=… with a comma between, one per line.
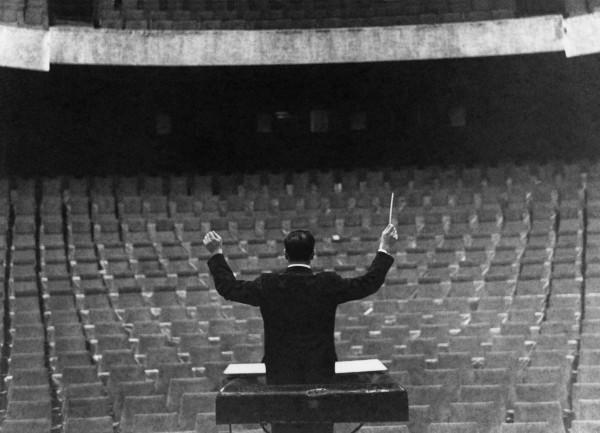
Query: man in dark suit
x=298, y=306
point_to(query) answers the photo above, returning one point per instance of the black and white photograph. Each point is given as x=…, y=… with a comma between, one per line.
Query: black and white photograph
x=299, y=216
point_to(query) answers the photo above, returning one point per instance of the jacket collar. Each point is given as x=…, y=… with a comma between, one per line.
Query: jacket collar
x=299, y=269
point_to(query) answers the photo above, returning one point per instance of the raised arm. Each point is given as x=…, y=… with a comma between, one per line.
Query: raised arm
x=349, y=289
x=247, y=292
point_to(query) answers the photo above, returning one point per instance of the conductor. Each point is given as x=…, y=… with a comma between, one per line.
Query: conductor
x=298, y=306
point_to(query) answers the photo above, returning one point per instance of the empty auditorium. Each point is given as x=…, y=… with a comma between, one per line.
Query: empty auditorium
x=374, y=216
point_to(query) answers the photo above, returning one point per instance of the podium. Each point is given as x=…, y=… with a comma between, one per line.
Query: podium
x=361, y=392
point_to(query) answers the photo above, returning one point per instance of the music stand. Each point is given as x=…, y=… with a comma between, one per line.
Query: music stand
x=359, y=395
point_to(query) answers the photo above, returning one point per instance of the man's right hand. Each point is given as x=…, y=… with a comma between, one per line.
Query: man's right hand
x=389, y=236
x=213, y=243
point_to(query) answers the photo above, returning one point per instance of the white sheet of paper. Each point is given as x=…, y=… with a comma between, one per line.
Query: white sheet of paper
x=254, y=369
x=359, y=366
x=341, y=367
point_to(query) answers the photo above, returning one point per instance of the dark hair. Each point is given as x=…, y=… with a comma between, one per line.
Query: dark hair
x=299, y=246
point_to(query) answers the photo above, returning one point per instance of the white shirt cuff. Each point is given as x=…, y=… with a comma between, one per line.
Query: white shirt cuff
x=217, y=251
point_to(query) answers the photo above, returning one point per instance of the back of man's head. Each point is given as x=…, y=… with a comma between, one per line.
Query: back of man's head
x=299, y=246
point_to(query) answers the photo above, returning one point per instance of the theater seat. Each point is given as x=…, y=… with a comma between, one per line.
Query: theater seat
x=437, y=397
x=205, y=423
x=29, y=409
x=193, y=404
x=169, y=371
x=578, y=426
x=135, y=405
x=13, y=14
x=479, y=393
x=84, y=390
x=420, y=417
x=180, y=386
x=587, y=409
x=26, y=425
x=87, y=407
x=155, y=422
x=539, y=392
x=585, y=391
x=89, y=425
x=525, y=427
x=453, y=427
x=549, y=412
x=486, y=414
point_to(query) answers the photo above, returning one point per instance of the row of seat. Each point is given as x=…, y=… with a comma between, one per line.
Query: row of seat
x=415, y=178
x=246, y=205
x=188, y=20
x=219, y=15
x=586, y=406
x=148, y=350
x=303, y=184
x=29, y=392
x=15, y=12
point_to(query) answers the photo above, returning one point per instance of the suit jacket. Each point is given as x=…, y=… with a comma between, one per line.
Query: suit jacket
x=298, y=309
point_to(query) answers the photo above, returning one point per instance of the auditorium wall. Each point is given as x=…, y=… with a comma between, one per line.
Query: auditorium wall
x=101, y=119
x=13, y=87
